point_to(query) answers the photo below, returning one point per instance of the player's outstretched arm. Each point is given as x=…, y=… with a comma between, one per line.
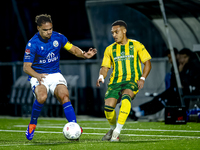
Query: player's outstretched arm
x=102, y=75
x=82, y=54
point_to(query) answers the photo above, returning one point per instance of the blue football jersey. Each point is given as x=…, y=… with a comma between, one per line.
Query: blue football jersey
x=45, y=55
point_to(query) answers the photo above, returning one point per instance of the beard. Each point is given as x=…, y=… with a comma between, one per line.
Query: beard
x=48, y=37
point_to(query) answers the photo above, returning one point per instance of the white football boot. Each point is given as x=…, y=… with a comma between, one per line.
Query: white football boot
x=115, y=137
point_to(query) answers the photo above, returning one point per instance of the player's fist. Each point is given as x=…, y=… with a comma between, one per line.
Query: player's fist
x=100, y=79
x=140, y=84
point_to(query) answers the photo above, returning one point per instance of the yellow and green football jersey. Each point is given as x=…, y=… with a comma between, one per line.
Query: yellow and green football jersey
x=125, y=61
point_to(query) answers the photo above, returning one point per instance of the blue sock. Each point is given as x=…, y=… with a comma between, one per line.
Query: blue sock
x=36, y=109
x=69, y=112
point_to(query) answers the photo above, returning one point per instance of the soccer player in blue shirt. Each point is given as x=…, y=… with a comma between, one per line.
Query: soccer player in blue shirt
x=41, y=63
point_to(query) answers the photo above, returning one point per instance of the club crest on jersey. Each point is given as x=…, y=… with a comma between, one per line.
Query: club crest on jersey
x=55, y=43
x=131, y=48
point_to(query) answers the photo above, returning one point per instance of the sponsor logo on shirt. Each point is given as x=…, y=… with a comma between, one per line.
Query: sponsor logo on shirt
x=121, y=58
x=27, y=51
x=51, y=57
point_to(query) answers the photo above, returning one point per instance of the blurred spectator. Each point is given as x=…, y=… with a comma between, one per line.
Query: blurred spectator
x=189, y=70
x=170, y=77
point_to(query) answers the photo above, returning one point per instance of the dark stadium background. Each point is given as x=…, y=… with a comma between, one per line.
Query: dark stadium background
x=69, y=18
x=85, y=22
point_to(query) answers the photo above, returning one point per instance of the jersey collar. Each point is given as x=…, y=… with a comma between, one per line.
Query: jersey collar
x=41, y=39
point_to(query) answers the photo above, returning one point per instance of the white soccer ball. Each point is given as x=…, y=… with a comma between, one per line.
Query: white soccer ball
x=72, y=131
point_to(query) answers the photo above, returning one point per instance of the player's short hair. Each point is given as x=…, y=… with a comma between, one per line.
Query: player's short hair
x=42, y=19
x=120, y=23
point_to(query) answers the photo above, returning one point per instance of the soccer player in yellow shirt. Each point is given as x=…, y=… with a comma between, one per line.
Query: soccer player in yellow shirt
x=125, y=56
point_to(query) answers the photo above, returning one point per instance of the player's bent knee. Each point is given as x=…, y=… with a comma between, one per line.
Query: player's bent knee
x=63, y=98
x=41, y=98
x=111, y=102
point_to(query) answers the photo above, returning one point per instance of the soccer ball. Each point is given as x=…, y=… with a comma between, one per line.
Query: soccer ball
x=72, y=131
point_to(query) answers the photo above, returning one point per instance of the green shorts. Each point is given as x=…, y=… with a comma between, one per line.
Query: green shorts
x=115, y=90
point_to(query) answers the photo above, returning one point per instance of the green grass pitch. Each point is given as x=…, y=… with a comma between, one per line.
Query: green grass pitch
x=135, y=135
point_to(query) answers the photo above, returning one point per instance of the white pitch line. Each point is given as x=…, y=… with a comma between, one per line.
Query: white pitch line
x=25, y=131
x=94, y=123
x=144, y=130
x=91, y=128
x=39, y=126
x=168, y=136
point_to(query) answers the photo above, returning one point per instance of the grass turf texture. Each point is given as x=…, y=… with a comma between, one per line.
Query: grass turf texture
x=136, y=135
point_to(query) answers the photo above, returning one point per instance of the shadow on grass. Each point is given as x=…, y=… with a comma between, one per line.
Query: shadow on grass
x=89, y=141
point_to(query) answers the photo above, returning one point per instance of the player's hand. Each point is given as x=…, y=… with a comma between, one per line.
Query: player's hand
x=40, y=77
x=91, y=52
x=98, y=82
x=140, y=84
x=100, y=79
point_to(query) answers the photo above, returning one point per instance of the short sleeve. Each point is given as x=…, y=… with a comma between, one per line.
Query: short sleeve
x=30, y=51
x=143, y=53
x=107, y=58
x=63, y=39
x=65, y=43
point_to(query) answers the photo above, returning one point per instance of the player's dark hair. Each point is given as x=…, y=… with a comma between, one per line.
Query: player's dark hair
x=120, y=23
x=42, y=19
